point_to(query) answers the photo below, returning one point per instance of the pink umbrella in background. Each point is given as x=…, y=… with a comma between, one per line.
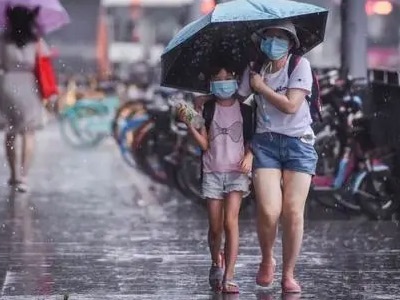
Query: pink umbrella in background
x=52, y=15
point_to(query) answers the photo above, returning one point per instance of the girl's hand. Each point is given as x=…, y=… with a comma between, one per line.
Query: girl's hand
x=181, y=115
x=247, y=163
x=256, y=81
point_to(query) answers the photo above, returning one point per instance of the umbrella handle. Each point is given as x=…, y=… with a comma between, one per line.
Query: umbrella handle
x=260, y=58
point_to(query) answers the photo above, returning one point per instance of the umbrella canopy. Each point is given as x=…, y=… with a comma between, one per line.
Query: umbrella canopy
x=228, y=29
x=52, y=15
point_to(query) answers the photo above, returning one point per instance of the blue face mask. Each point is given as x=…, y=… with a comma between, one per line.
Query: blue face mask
x=224, y=89
x=275, y=48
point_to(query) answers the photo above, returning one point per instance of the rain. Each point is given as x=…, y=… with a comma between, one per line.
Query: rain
x=103, y=180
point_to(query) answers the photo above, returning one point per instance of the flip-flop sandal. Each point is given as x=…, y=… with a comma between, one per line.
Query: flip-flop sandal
x=290, y=286
x=22, y=187
x=215, y=278
x=12, y=182
x=18, y=185
x=230, y=287
x=265, y=275
x=216, y=274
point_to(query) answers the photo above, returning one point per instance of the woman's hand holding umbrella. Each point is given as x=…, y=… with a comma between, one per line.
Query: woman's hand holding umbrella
x=256, y=82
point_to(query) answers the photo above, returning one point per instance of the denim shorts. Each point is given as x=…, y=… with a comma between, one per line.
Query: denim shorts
x=278, y=151
x=217, y=185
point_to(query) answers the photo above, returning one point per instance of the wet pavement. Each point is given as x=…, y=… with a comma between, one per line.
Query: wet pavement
x=92, y=228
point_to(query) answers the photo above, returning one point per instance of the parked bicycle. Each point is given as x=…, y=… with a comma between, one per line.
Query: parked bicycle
x=88, y=122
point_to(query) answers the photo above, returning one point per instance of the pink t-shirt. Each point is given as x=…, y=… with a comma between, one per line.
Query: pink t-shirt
x=226, y=149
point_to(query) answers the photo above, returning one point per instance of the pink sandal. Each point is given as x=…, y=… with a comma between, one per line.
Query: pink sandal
x=230, y=287
x=265, y=275
x=216, y=274
x=290, y=286
x=18, y=185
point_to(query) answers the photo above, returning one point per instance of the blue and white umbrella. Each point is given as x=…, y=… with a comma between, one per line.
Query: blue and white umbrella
x=227, y=30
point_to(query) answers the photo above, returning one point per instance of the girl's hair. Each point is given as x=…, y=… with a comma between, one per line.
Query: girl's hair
x=220, y=62
x=21, y=25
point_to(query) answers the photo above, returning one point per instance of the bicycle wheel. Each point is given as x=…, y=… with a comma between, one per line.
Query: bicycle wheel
x=127, y=134
x=125, y=112
x=378, y=194
x=76, y=126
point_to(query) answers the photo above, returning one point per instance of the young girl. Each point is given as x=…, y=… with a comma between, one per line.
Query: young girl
x=226, y=163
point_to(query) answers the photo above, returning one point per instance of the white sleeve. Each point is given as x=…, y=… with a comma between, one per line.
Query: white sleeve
x=244, y=87
x=301, y=77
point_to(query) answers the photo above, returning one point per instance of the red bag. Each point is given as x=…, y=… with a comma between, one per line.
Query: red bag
x=47, y=81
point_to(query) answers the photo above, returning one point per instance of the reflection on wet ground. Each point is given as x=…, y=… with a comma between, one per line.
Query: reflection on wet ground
x=94, y=229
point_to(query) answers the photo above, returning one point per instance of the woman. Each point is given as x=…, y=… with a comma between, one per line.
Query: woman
x=284, y=156
x=20, y=102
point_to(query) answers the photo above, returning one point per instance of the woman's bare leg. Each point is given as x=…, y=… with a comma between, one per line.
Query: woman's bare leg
x=295, y=191
x=10, y=144
x=28, y=145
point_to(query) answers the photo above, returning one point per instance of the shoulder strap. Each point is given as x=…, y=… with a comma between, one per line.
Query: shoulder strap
x=258, y=64
x=248, y=122
x=293, y=62
x=39, y=47
x=208, y=113
x=2, y=53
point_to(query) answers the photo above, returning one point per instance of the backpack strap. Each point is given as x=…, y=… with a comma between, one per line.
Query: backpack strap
x=313, y=99
x=293, y=62
x=317, y=99
x=248, y=122
x=258, y=64
x=208, y=113
x=254, y=108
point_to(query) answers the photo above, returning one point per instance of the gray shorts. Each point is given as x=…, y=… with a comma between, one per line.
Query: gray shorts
x=217, y=185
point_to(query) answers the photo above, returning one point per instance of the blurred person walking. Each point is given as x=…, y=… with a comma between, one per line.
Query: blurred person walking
x=20, y=101
x=24, y=64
